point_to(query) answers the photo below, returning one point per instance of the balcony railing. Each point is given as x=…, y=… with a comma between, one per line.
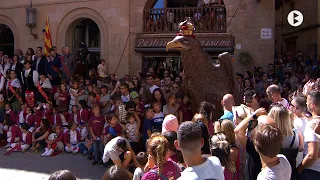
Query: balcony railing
x=166, y=20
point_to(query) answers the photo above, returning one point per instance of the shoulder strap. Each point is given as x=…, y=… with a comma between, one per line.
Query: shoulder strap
x=293, y=139
x=160, y=175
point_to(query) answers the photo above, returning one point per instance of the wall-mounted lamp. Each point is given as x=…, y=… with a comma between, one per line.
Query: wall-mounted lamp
x=31, y=19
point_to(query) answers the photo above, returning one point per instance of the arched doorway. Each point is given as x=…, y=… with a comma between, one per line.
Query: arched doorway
x=6, y=40
x=85, y=30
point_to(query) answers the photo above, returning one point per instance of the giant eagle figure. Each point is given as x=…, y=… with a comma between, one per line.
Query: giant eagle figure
x=207, y=79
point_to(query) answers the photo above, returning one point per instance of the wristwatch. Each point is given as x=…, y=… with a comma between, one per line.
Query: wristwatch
x=254, y=116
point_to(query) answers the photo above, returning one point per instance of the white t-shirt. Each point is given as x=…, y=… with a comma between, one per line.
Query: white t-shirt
x=210, y=169
x=310, y=136
x=285, y=103
x=111, y=151
x=153, y=88
x=300, y=123
x=281, y=171
x=138, y=173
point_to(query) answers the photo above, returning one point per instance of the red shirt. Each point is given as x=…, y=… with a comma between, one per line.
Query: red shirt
x=97, y=124
x=66, y=96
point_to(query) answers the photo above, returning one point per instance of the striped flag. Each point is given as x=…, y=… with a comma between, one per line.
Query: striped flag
x=47, y=39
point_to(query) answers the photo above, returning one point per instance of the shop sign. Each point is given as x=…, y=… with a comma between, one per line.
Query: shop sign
x=160, y=42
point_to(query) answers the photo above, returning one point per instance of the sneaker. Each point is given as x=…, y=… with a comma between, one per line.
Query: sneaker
x=49, y=152
x=94, y=163
x=9, y=149
x=45, y=152
x=8, y=145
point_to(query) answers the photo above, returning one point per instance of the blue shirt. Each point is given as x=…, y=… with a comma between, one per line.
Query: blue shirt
x=147, y=125
x=227, y=115
x=157, y=121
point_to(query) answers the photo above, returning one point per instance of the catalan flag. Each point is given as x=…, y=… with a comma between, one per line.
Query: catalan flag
x=47, y=39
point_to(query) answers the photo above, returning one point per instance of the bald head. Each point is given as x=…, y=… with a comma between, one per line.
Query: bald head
x=264, y=119
x=227, y=102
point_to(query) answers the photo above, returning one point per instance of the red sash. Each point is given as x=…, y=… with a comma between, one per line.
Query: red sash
x=65, y=68
x=43, y=93
x=56, y=69
x=13, y=91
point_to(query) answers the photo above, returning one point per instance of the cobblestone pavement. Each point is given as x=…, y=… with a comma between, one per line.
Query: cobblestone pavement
x=34, y=167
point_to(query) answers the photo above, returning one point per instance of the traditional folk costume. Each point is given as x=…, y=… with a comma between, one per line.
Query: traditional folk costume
x=58, y=119
x=74, y=117
x=30, y=120
x=12, y=116
x=53, y=67
x=84, y=115
x=73, y=138
x=44, y=90
x=29, y=79
x=57, y=144
x=13, y=134
x=21, y=117
x=13, y=88
x=25, y=142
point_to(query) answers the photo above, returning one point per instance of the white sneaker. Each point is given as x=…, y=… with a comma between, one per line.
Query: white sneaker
x=75, y=151
x=8, y=145
x=50, y=151
x=45, y=152
x=9, y=149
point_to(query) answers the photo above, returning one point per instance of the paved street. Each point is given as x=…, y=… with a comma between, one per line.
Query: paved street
x=32, y=166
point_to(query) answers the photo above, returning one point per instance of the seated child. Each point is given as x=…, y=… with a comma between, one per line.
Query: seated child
x=142, y=159
x=30, y=119
x=25, y=140
x=54, y=142
x=132, y=130
x=113, y=129
x=86, y=147
x=10, y=113
x=58, y=119
x=22, y=114
x=84, y=116
x=74, y=115
x=71, y=139
x=13, y=133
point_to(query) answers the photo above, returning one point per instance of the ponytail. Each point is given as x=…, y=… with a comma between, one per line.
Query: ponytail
x=159, y=151
x=158, y=147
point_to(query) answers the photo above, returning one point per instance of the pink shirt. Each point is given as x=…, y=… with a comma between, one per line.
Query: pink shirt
x=170, y=171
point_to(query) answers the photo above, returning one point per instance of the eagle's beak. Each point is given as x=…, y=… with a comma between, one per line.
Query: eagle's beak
x=175, y=45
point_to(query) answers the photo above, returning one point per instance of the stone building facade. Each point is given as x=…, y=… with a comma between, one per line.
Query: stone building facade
x=304, y=38
x=121, y=21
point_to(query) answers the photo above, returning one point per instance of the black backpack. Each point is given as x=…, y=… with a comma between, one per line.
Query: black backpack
x=291, y=155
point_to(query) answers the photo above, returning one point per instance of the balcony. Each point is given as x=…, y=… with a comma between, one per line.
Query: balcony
x=166, y=20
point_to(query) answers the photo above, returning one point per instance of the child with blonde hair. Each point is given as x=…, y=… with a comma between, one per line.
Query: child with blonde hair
x=158, y=147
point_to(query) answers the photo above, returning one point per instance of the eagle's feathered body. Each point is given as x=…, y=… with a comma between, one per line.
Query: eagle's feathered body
x=205, y=81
